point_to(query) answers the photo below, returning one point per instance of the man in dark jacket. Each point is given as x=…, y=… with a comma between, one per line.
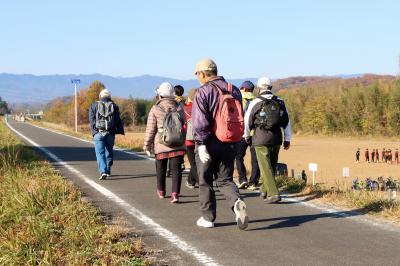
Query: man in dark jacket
x=105, y=122
x=246, y=90
x=214, y=157
x=266, y=116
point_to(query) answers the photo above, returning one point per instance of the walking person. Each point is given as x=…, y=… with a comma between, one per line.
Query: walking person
x=376, y=156
x=358, y=155
x=366, y=155
x=193, y=177
x=384, y=155
x=217, y=125
x=246, y=89
x=373, y=155
x=166, y=137
x=267, y=115
x=105, y=123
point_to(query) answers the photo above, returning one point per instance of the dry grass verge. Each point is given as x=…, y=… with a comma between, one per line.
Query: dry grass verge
x=43, y=220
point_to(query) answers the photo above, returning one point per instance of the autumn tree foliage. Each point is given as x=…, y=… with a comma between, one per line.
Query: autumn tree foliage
x=355, y=109
x=61, y=110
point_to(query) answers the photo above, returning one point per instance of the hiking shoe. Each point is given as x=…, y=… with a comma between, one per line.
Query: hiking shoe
x=160, y=194
x=174, y=197
x=189, y=186
x=242, y=185
x=103, y=176
x=242, y=219
x=263, y=195
x=273, y=199
x=253, y=187
x=201, y=222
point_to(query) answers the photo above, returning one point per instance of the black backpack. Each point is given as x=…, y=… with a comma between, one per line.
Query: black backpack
x=171, y=132
x=105, y=116
x=271, y=114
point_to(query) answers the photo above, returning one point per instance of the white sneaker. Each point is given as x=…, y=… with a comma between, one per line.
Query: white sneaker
x=242, y=219
x=201, y=222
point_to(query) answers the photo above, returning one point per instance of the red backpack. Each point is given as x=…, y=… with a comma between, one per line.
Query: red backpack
x=228, y=121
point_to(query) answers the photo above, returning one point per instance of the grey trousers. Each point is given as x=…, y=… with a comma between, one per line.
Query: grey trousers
x=220, y=166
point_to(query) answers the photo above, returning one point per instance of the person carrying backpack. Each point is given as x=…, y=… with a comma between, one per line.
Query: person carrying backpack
x=246, y=89
x=165, y=137
x=266, y=116
x=217, y=125
x=105, y=123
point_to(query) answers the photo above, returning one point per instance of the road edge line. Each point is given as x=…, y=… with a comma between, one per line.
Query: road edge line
x=147, y=221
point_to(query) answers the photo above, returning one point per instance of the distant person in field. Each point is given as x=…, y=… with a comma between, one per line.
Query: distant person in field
x=383, y=155
x=193, y=177
x=165, y=137
x=389, y=156
x=268, y=117
x=358, y=155
x=376, y=155
x=396, y=156
x=217, y=125
x=246, y=90
x=366, y=155
x=373, y=155
x=105, y=123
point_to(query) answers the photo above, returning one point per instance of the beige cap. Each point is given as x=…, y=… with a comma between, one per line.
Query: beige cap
x=204, y=65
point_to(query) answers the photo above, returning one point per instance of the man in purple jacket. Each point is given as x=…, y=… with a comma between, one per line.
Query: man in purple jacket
x=213, y=157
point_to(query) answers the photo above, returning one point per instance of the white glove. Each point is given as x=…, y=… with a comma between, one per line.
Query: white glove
x=147, y=151
x=203, y=154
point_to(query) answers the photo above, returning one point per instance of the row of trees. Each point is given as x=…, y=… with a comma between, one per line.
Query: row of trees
x=354, y=110
x=61, y=110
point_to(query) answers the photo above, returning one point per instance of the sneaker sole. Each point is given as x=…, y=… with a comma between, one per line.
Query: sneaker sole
x=272, y=200
x=242, y=219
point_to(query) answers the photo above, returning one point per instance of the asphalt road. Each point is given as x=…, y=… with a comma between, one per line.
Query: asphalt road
x=288, y=233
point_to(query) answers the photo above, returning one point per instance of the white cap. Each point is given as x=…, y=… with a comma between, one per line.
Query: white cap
x=105, y=94
x=264, y=83
x=165, y=90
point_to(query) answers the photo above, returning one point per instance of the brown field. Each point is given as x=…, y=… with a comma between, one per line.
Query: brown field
x=330, y=153
x=333, y=153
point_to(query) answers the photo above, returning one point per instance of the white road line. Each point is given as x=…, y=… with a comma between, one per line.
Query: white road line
x=168, y=235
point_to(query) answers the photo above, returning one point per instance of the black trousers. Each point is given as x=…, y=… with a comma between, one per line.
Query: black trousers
x=241, y=148
x=193, y=177
x=220, y=166
x=176, y=172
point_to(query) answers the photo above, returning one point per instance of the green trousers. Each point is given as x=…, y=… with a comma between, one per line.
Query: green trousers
x=267, y=157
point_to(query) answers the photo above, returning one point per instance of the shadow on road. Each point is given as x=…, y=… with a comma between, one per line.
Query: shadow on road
x=292, y=221
x=86, y=154
x=118, y=177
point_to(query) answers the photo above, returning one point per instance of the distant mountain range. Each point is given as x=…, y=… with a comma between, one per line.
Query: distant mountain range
x=16, y=88
x=30, y=88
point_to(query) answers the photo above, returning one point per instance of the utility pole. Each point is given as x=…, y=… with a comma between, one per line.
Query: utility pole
x=75, y=82
x=398, y=71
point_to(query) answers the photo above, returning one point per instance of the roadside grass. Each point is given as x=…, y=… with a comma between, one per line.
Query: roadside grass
x=367, y=202
x=43, y=220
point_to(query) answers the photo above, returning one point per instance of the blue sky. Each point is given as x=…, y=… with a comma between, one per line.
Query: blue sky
x=245, y=38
